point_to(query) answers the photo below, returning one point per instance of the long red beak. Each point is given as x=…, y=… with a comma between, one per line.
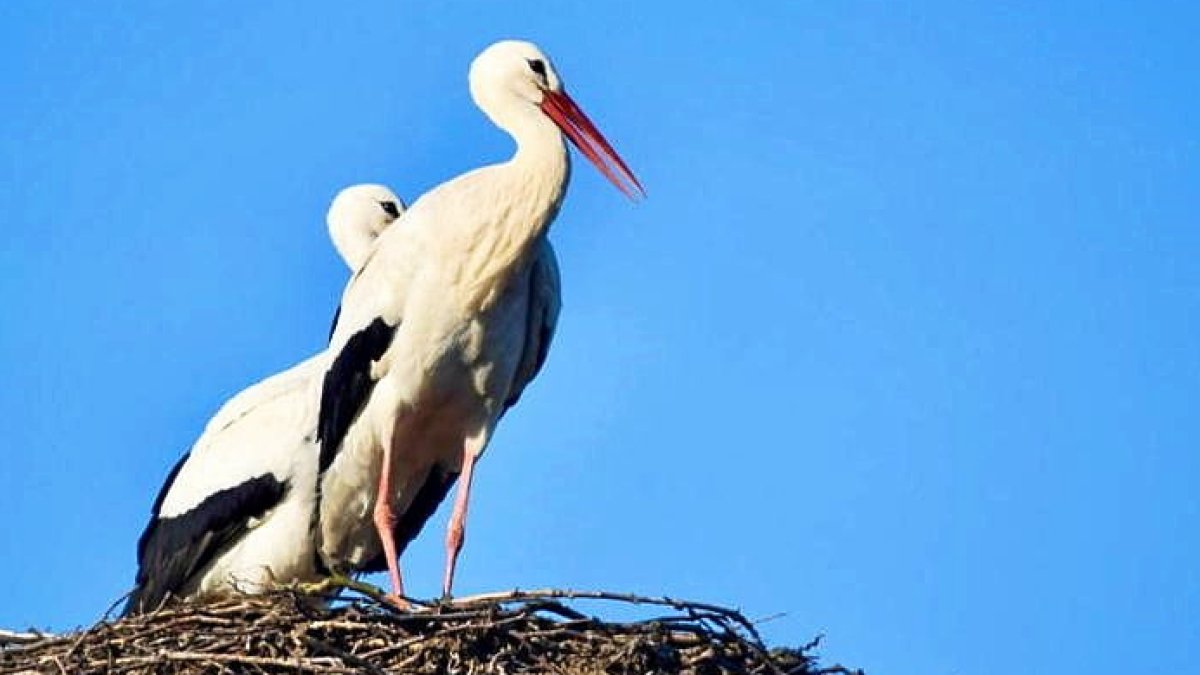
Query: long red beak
x=585, y=136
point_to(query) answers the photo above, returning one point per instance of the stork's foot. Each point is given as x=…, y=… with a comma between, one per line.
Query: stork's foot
x=399, y=602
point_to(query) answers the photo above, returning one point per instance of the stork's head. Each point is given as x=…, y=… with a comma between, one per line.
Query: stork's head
x=357, y=216
x=512, y=69
x=513, y=81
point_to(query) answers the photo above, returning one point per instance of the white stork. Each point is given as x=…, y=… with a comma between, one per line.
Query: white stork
x=236, y=513
x=446, y=323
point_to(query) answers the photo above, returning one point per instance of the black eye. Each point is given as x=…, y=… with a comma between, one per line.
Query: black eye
x=538, y=66
x=391, y=209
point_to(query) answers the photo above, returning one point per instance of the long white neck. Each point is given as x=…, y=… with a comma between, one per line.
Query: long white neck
x=522, y=197
x=537, y=173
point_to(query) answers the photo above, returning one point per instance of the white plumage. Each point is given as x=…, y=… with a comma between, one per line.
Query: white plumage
x=237, y=511
x=446, y=323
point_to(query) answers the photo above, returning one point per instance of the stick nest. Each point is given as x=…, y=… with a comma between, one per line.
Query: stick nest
x=502, y=634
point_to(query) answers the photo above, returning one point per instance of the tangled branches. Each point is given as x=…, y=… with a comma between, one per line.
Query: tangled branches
x=502, y=633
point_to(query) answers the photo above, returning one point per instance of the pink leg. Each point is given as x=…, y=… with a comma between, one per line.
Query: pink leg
x=385, y=521
x=458, y=520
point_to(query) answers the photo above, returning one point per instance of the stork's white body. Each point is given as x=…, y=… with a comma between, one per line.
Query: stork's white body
x=493, y=351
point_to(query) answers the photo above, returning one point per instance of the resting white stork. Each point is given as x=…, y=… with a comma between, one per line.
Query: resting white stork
x=446, y=323
x=236, y=513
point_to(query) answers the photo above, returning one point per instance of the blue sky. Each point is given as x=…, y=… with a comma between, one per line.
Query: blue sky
x=904, y=342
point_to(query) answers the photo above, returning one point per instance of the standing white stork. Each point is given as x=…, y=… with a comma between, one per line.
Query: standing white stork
x=236, y=513
x=446, y=324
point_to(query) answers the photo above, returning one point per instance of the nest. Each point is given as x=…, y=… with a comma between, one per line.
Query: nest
x=502, y=634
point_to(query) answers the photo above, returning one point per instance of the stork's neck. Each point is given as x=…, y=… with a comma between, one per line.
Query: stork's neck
x=525, y=195
x=539, y=169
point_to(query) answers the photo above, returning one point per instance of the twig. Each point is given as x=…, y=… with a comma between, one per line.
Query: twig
x=10, y=637
x=344, y=656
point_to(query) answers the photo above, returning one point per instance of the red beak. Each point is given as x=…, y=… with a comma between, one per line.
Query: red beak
x=585, y=136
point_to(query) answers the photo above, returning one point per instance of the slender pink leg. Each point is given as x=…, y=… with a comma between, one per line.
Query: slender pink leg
x=385, y=520
x=458, y=520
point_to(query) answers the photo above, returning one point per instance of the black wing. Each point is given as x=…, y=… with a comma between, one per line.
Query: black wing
x=545, y=290
x=347, y=386
x=173, y=551
x=437, y=485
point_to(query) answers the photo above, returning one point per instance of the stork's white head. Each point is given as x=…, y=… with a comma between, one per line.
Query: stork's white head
x=356, y=218
x=515, y=84
x=511, y=69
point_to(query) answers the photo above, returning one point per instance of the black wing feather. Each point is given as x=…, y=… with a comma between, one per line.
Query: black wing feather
x=144, y=540
x=437, y=485
x=347, y=385
x=542, y=274
x=173, y=551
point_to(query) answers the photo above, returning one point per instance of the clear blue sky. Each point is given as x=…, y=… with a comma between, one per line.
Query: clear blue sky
x=905, y=342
